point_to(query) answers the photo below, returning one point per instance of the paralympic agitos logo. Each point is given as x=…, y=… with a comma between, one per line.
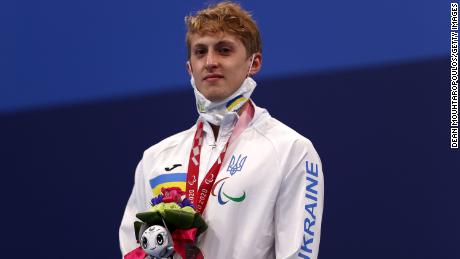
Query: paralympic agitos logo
x=223, y=197
x=235, y=165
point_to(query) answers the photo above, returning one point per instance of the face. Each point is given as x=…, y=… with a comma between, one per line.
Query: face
x=219, y=64
x=155, y=241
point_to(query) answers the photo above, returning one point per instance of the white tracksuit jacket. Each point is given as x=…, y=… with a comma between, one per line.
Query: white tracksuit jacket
x=270, y=203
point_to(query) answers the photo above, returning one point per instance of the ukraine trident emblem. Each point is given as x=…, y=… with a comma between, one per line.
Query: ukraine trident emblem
x=236, y=165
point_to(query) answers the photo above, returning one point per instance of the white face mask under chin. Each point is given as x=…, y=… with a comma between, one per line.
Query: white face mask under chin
x=214, y=112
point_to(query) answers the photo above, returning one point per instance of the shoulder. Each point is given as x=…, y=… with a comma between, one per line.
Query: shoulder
x=292, y=149
x=282, y=137
x=169, y=143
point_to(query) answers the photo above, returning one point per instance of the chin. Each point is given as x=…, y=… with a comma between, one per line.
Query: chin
x=215, y=96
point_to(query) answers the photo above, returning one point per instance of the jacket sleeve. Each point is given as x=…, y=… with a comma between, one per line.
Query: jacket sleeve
x=299, y=205
x=137, y=203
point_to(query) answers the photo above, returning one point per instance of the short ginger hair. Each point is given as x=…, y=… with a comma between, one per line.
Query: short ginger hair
x=226, y=17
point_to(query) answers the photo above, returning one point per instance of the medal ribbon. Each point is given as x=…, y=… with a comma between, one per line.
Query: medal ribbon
x=200, y=198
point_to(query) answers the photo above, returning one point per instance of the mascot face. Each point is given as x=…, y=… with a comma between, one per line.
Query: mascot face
x=156, y=241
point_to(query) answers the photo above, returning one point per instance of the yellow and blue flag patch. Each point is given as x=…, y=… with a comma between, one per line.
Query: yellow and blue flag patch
x=166, y=181
x=235, y=102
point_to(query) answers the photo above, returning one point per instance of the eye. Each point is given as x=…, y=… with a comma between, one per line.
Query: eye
x=145, y=242
x=160, y=239
x=200, y=51
x=224, y=50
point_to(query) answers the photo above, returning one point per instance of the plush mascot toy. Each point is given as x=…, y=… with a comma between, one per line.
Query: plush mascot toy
x=156, y=241
x=170, y=225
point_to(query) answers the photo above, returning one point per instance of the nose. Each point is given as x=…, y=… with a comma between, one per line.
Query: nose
x=211, y=60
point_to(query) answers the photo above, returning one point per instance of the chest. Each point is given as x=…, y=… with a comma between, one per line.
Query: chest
x=249, y=169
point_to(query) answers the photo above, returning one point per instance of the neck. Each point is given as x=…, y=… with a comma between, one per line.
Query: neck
x=215, y=128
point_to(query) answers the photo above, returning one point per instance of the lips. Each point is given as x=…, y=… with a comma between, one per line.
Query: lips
x=212, y=77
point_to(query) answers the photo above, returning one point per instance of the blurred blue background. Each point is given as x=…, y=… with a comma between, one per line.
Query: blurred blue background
x=86, y=86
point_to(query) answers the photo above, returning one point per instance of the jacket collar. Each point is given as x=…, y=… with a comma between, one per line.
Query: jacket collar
x=228, y=123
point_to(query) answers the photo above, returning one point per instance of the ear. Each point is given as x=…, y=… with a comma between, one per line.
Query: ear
x=189, y=67
x=256, y=64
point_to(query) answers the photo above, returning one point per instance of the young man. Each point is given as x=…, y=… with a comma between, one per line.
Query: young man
x=265, y=199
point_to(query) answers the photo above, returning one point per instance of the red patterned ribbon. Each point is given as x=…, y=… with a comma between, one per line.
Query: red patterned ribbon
x=200, y=198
